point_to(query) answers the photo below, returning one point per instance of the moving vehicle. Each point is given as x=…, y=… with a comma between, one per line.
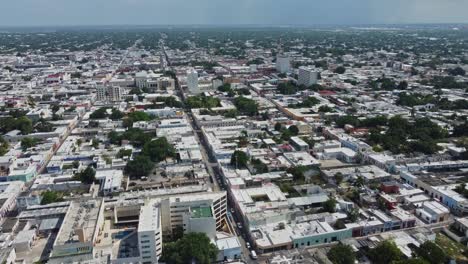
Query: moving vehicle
x=253, y=255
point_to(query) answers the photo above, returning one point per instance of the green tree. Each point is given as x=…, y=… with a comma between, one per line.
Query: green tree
x=24, y=124
x=116, y=114
x=239, y=159
x=432, y=253
x=403, y=85
x=202, y=102
x=141, y=165
x=114, y=137
x=99, y=113
x=4, y=146
x=341, y=254
x=28, y=142
x=76, y=75
x=325, y=109
x=294, y=130
x=233, y=113
x=87, y=176
x=48, y=197
x=330, y=205
x=259, y=166
x=158, y=149
x=386, y=252
x=95, y=143
x=456, y=71
x=124, y=153
x=225, y=88
x=340, y=70
x=297, y=173
x=338, y=178
x=136, y=117
x=246, y=106
x=44, y=126
x=278, y=126
x=76, y=164
x=191, y=248
x=136, y=91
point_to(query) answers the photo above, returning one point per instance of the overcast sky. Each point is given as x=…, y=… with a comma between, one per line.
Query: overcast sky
x=229, y=12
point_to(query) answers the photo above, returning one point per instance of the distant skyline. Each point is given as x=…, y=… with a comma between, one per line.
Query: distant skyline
x=230, y=12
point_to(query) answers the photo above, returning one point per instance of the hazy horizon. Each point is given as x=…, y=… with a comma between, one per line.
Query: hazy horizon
x=26, y=13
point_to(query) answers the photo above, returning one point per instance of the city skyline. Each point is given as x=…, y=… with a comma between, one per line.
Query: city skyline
x=242, y=12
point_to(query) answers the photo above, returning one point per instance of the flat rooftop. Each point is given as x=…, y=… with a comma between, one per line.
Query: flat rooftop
x=81, y=215
x=201, y=212
x=149, y=217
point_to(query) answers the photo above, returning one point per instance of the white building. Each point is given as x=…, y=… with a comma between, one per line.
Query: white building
x=110, y=180
x=192, y=81
x=433, y=212
x=200, y=219
x=108, y=93
x=307, y=76
x=175, y=208
x=149, y=233
x=283, y=63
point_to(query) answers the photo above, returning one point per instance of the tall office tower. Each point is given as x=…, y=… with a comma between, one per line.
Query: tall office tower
x=192, y=81
x=149, y=233
x=115, y=93
x=307, y=76
x=101, y=92
x=108, y=93
x=283, y=63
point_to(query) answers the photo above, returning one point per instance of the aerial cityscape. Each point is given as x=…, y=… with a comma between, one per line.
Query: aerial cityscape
x=199, y=143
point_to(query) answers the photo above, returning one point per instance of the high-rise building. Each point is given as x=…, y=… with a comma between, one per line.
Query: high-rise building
x=108, y=93
x=283, y=63
x=192, y=81
x=307, y=76
x=149, y=233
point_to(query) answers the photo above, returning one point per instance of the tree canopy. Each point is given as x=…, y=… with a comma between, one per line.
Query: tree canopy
x=297, y=173
x=141, y=165
x=246, y=106
x=191, y=248
x=340, y=70
x=28, y=142
x=48, y=197
x=341, y=254
x=21, y=123
x=87, y=176
x=386, y=252
x=136, y=116
x=330, y=205
x=4, y=146
x=202, y=102
x=239, y=159
x=432, y=253
x=158, y=150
